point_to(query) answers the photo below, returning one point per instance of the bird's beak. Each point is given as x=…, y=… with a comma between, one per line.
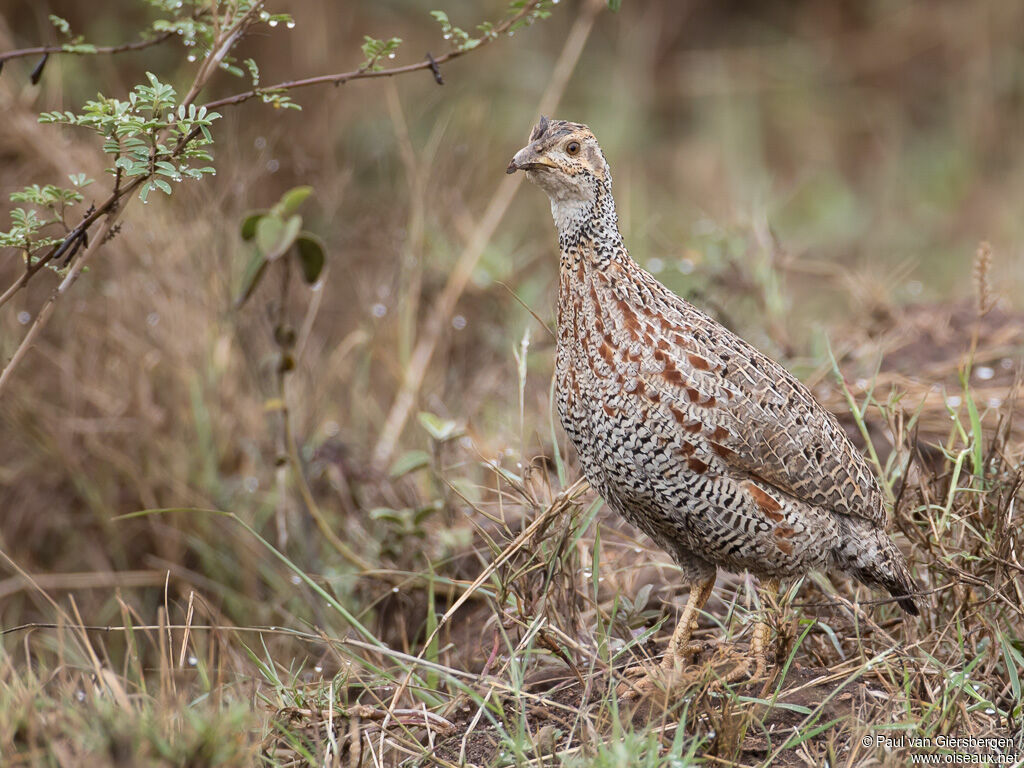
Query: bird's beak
x=528, y=159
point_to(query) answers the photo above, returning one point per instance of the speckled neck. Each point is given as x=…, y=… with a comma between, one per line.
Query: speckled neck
x=588, y=230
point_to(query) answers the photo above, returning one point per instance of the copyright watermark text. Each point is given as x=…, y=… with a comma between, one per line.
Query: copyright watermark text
x=952, y=750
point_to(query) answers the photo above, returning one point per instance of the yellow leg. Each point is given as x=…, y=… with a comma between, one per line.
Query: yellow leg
x=759, y=641
x=679, y=647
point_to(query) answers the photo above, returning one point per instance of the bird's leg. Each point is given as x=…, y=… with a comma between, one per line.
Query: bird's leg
x=679, y=647
x=759, y=641
x=762, y=632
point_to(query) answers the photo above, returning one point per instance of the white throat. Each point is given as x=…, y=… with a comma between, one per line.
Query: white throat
x=570, y=212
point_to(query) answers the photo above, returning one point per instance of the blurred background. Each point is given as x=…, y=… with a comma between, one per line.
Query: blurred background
x=805, y=171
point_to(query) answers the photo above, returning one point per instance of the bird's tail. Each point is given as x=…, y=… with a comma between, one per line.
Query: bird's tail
x=869, y=555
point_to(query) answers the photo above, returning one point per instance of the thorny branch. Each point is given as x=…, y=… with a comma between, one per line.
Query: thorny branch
x=98, y=50
x=118, y=197
x=431, y=63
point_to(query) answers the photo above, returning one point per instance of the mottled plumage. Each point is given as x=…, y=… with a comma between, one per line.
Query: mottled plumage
x=711, y=448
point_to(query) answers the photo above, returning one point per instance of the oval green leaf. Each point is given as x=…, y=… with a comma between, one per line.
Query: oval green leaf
x=268, y=233
x=440, y=429
x=249, y=224
x=310, y=250
x=291, y=200
x=274, y=236
x=409, y=462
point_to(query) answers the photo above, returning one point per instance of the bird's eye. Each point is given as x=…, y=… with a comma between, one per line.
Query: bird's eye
x=573, y=147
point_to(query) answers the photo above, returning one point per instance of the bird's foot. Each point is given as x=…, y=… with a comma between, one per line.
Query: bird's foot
x=736, y=665
x=730, y=665
x=643, y=680
x=655, y=681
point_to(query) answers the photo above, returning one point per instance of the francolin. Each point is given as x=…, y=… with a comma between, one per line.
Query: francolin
x=712, y=449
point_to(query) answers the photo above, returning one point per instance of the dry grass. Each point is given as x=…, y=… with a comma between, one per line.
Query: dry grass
x=880, y=145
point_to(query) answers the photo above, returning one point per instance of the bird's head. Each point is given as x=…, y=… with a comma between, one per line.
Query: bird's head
x=565, y=161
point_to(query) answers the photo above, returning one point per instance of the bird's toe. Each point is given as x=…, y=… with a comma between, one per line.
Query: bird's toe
x=735, y=665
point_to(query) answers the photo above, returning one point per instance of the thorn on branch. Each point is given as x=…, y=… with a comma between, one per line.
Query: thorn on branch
x=114, y=232
x=37, y=73
x=435, y=69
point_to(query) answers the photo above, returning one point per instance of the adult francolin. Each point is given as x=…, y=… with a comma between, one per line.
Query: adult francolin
x=712, y=449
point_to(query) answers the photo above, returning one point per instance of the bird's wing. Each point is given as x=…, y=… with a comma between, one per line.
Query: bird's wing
x=759, y=418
